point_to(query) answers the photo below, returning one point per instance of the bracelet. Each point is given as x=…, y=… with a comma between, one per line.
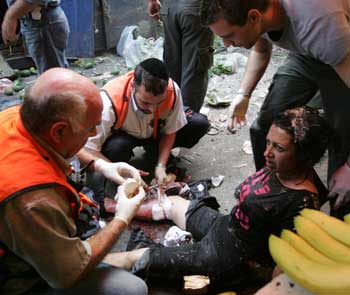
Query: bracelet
x=122, y=219
x=160, y=165
x=243, y=92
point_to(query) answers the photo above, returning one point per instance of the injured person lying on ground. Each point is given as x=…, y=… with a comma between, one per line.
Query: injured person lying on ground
x=226, y=246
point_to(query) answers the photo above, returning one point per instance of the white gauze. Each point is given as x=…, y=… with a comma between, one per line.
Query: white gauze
x=162, y=210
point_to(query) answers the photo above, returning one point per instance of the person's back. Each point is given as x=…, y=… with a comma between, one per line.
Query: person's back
x=319, y=29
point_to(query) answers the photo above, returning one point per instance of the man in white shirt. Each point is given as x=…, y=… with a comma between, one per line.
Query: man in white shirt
x=144, y=108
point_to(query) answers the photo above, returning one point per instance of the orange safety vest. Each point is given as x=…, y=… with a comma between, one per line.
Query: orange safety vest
x=25, y=166
x=119, y=92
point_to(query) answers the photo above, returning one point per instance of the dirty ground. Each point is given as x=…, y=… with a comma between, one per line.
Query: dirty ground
x=218, y=153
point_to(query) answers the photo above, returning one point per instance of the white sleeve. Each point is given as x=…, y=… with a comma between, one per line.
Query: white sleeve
x=177, y=118
x=104, y=129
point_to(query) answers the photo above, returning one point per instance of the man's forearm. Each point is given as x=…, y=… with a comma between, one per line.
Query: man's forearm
x=102, y=242
x=86, y=155
x=19, y=9
x=258, y=61
x=165, y=145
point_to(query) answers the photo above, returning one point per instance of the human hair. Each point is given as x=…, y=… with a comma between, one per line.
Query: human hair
x=153, y=75
x=310, y=133
x=233, y=11
x=39, y=113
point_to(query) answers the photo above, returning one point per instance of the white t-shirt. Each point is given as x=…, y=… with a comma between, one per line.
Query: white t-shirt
x=317, y=28
x=136, y=122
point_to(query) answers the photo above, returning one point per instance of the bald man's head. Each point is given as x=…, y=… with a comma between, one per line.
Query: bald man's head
x=58, y=94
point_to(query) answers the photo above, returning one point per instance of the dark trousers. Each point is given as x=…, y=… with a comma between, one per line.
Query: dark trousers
x=293, y=85
x=118, y=147
x=188, y=52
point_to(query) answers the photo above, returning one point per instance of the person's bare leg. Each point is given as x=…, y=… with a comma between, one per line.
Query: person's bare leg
x=178, y=210
x=174, y=209
x=124, y=260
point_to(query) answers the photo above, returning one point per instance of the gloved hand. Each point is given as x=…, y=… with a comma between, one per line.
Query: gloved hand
x=117, y=172
x=126, y=208
x=160, y=175
x=153, y=9
x=339, y=191
x=238, y=110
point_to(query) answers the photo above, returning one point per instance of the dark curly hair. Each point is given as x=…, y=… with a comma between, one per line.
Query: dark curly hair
x=310, y=133
x=233, y=11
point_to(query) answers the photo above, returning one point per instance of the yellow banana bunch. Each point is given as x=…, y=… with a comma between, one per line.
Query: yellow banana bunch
x=321, y=240
x=318, y=256
x=333, y=226
x=316, y=277
x=304, y=248
x=347, y=218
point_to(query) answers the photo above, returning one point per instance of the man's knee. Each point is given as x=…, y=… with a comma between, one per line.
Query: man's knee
x=134, y=286
x=118, y=149
x=196, y=127
x=199, y=124
x=109, y=280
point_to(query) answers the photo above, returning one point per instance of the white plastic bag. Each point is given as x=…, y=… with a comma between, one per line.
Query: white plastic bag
x=136, y=50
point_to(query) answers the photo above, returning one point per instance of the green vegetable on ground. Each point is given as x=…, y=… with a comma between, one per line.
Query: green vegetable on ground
x=17, y=85
x=115, y=72
x=33, y=71
x=25, y=73
x=220, y=69
x=8, y=91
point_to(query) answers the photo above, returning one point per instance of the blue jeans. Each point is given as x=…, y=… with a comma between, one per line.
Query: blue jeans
x=293, y=85
x=46, y=39
x=103, y=280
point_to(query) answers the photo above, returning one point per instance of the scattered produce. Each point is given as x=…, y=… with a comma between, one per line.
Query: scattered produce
x=25, y=73
x=8, y=91
x=85, y=63
x=304, y=248
x=17, y=85
x=33, y=71
x=321, y=240
x=333, y=226
x=220, y=69
x=115, y=72
x=21, y=94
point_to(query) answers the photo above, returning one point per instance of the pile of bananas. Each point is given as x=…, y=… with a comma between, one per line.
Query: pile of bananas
x=318, y=256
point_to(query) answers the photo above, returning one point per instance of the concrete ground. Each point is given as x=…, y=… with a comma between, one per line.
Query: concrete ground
x=222, y=153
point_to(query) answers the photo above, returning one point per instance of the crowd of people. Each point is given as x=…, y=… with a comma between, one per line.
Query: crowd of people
x=50, y=239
